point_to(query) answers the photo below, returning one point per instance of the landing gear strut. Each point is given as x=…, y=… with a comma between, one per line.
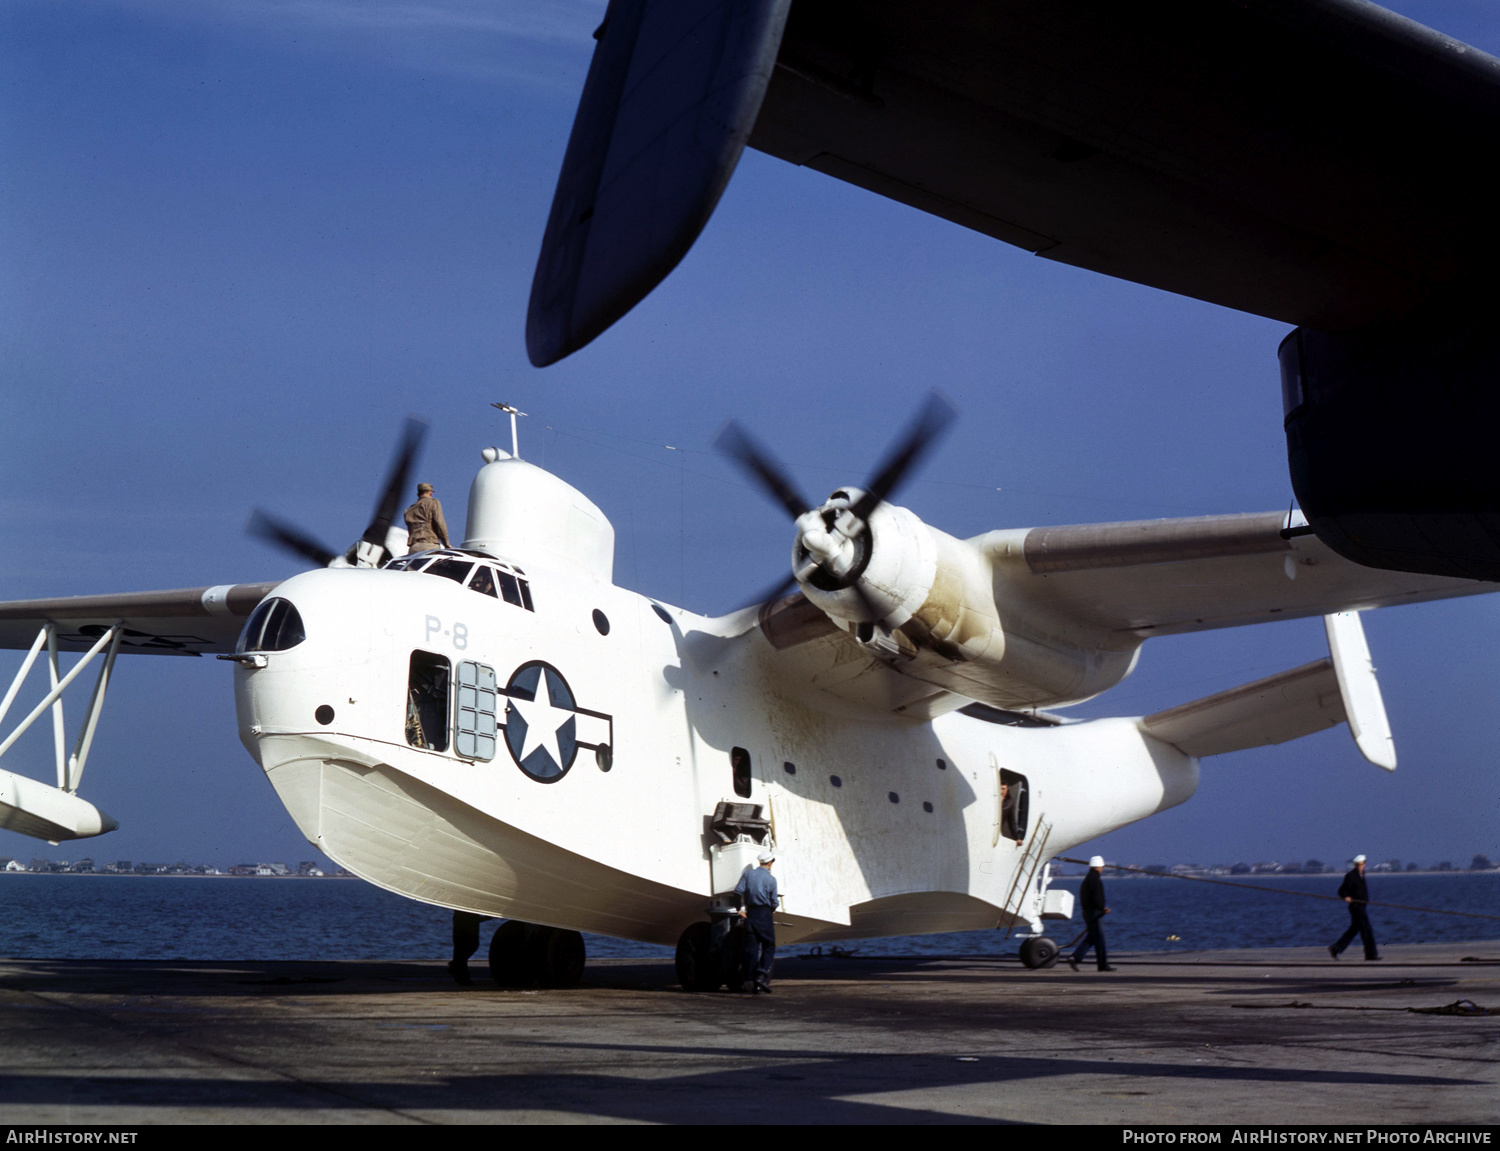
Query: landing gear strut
x=527, y=954
x=1038, y=951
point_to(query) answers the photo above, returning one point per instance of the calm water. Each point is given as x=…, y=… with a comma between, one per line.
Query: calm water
x=129, y=917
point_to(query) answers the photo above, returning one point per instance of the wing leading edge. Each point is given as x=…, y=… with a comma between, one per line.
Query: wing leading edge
x=180, y=621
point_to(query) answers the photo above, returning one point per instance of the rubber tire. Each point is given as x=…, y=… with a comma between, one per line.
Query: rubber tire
x=1038, y=951
x=508, y=966
x=698, y=969
x=733, y=958
x=555, y=957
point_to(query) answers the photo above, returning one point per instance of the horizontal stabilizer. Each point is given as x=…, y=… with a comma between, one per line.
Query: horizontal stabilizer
x=1280, y=707
x=44, y=812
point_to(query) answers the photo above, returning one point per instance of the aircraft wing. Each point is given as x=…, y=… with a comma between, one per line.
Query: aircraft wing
x=1320, y=162
x=181, y=621
x=1164, y=577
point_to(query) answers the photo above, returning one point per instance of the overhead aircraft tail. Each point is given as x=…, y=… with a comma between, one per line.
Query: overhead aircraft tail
x=1339, y=689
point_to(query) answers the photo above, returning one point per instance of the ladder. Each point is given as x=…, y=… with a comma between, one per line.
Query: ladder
x=1020, y=884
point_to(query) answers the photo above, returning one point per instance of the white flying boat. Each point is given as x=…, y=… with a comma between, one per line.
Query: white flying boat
x=498, y=728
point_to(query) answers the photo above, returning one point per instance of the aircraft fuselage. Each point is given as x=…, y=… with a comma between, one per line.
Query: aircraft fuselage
x=589, y=803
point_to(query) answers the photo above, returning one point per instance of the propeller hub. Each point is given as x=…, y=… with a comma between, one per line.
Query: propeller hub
x=832, y=546
x=834, y=543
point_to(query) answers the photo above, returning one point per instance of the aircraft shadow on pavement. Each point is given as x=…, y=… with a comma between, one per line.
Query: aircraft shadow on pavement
x=807, y=1087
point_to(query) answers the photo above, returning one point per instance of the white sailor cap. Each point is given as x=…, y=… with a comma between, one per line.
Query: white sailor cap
x=767, y=857
x=1358, y=859
x=1096, y=861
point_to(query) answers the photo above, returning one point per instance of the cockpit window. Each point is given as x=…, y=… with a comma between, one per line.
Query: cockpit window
x=510, y=588
x=450, y=569
x=275, y=625
x=494, y=581
x=484, y=581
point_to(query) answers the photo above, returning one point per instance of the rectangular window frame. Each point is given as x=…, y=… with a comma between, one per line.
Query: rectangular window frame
x=476, y=711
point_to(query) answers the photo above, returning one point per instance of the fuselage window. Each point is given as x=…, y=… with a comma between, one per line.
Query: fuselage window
x=427, y=702
x=1014, y=805
x=450, y=569
x=275, y=625
x=739, y=761
x=484, y=581
x=526, y=595
x=475, y=724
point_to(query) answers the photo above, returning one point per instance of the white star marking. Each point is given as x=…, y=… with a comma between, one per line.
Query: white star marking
x=543, y=721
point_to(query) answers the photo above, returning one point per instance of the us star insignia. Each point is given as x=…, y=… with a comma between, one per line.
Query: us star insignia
x=545, y=727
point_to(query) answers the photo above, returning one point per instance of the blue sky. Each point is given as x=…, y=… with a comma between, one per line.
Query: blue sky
x=243, y=239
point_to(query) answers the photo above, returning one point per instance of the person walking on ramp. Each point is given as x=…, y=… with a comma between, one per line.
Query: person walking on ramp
x=1091, y=897
x=1354, y=892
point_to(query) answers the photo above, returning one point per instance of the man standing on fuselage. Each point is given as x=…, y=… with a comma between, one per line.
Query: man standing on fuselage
x=757, y=888
x=1091, y=897
x=425, y=526
x=1354, y=892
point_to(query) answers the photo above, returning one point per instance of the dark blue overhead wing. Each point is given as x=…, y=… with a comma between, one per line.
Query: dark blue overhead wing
x=1321, y=162
x=670, y=99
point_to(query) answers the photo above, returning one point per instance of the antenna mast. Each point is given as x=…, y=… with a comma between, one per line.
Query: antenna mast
x=515, y=443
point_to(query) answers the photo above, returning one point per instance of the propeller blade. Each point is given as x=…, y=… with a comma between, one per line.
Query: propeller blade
x=772, y=593
x=395, y=483
x=923, y=432
x=762, y=467
x=288, y=538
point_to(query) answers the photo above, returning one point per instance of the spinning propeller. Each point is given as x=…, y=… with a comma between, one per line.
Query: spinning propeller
x=372, y=548
x=833, y=541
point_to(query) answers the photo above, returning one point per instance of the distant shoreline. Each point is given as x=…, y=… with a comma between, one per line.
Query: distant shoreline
x=1244, y=875
x=150, y=875
x=1115, y=877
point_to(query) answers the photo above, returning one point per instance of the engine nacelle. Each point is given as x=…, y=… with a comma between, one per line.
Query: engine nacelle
x=1390, y=439
x=874, y=573
x=929, y=606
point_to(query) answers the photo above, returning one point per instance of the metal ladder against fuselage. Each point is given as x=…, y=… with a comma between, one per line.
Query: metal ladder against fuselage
x=1020, y=884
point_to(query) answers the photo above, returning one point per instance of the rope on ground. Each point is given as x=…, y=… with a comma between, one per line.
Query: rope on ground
x=1278, y=891
x=1466, y=1007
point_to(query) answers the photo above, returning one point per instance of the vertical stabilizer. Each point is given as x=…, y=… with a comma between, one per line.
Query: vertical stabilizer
x=1363, y=706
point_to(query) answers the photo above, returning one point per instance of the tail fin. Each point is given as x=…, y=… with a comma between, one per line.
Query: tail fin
x=1290, y=704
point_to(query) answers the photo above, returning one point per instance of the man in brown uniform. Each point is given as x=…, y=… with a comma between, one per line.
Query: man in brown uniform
x=425, y=526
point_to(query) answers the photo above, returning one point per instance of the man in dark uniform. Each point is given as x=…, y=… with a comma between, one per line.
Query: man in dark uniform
x=1091, y=897
x=1354, y=892
x=425, y=526
x=757, y=888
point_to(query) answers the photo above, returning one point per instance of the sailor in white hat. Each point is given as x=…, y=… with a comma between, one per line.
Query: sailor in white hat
x=757, y=889
x=1091, y=898
x=1354, y=892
